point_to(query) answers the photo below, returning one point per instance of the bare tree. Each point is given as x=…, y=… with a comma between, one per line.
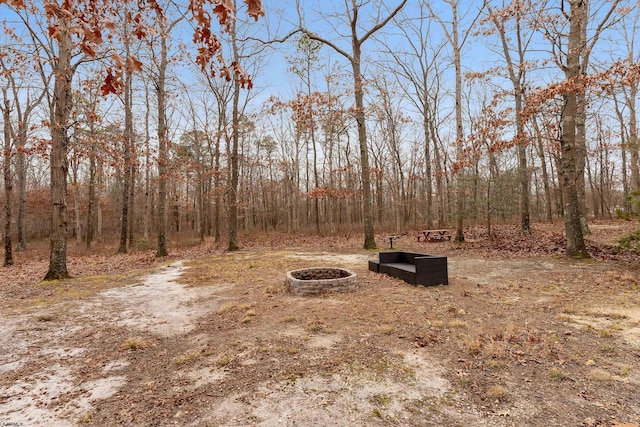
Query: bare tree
x=516, y=69
x=127, y=140
x=8, y=179
x=569, y=143
x=352, y=13
x=160, y=81
x=457, y=41
x=418, y=65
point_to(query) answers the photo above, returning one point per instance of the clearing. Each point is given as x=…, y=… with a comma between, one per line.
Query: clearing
x=521, y=336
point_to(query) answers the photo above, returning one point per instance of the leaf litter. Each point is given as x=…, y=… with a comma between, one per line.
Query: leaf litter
x=504, y=344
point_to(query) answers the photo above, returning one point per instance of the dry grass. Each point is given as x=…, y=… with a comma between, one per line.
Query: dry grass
x=475, y=335
x=496, y=392
x=457, y=323
x=225, y=359
x=557, y=374
x=133, y=344
x=226, y=307
x=186, y=358
x=600, y=375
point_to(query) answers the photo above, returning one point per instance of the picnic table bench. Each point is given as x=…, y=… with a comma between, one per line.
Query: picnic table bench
x=434, y=235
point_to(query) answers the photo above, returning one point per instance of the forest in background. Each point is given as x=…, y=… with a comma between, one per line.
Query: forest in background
x=133, y=120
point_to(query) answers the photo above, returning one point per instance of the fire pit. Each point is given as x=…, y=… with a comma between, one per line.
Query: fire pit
x=318, y=280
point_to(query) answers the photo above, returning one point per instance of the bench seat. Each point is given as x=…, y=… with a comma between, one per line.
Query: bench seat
x=413, y=268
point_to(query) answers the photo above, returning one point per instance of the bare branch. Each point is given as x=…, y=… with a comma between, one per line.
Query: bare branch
x=383, y=23
x=322, y=40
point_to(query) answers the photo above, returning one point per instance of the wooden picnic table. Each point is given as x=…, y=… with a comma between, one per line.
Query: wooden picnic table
x=434, y=235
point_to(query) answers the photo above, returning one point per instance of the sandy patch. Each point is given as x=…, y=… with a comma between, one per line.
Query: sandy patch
x=159, y=304
x=337, y=259
x=347, y=398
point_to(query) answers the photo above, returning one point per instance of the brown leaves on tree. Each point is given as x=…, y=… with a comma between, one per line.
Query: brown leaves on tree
x=620, y=73
x=140, y=30
x=224, y=11
x=133, y=64
x=113, y=82
x=91, y=35
x=331, y=193
x=254, y=8
x=18, y=4
x=209, y=47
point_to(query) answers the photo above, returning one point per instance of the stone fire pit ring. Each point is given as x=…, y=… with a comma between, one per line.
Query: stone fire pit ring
x=319, y=280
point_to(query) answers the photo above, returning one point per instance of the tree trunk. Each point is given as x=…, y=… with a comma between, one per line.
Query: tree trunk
x=545, y=173
x=634, y=146
x=569, y=143
x=21, y=169
x=369, y=238
x=163, y=149
x=75, y=191
x=440, y=167
x=60, y=112
x=147, y=169
x=459, y=236
x=428, y=173
x=235, y=138
x=8, y=181
x=581, y=158
x=127, y=163
x=91, y=206
x=217, y=182
x=624, y=144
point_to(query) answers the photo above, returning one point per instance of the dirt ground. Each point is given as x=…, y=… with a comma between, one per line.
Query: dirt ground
x=522, y=336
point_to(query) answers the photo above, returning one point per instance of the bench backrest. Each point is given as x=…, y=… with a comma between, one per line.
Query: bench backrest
x=400, y=257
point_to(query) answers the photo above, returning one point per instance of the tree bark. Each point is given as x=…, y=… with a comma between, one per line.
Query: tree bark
x=163, y=149
x=62, y=103
x=235, y=138
x=127, y=163
x=358, y=87
x=21, y=171
x=8, y=181
x=91, y=206
x=459, y=235
x=569, y=141
x=545, y=173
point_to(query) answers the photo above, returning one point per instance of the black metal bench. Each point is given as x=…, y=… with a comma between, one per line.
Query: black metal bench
x=413, y=268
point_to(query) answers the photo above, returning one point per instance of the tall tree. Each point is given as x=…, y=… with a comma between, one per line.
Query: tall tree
x=160, y=78
x=516, y=68
x=457, y=40
x=75, y=31
x=17, y=67
x=352, y=12
x=572, y=52
x=127, y=140
x=61, y=21
x=419, y=65
x=8, y=179
x=235, y=138
x=569, y=141
x=303, y=65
